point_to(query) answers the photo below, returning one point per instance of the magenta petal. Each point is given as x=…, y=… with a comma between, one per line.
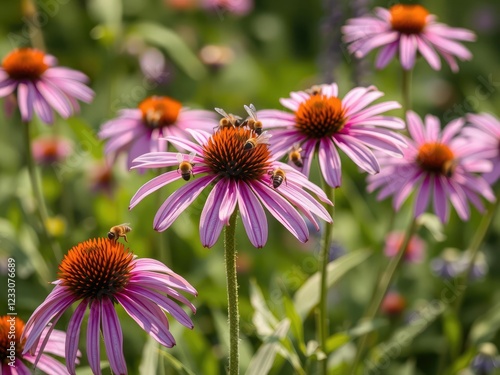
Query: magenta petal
x=429, y=54
x=55, y=97
x=440, y=199
x=423, y=195
x=252, y=215
x=48, y=365
x=358, y=153
x=386, y=54
x=25, y=98
x=73, y=336
x=153, y=185
x=281, y=210
x=415, y=127
x=329, y=162
x=149, y=317
x=229, y=200
x=210, y=223
x=407, y=51
x=93, y=342
x=459, y=200
x=42, y=108
x=113, y=337
x=164, y=302
x=179, y=201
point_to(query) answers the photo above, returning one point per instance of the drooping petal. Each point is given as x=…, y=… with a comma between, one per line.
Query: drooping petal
x=93, y=337
x=252, y=215
x=153, y=185
x=210, y=222
x=113, y=337
x=73, y=336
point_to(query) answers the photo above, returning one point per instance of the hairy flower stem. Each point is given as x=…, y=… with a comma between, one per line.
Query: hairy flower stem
x=41, y=208
x=406, y=90
x=232, y=294
x=322, y=320
x=382, y=286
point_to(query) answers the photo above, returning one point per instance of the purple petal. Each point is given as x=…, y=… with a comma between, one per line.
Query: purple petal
x=415, y=127
x=210, y=223
x=73, y=336
x=55, y=98
x=179, y=201
x=407, y=51
x=153, y=185
x=440, y=199
x=93, y=342
x=113, y=337
x=252, y=215
x=423, y=195
x=228, y=203
x=386, y=54
x=281, y=210
x=329, y=162
x=25, y=98
x=429, y=54
x=358, y=153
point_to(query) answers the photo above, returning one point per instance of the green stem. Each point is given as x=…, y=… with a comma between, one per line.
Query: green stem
x=381, y=290
x=322, y=316
x=41, y=209
x=30, y=12
x=232, y=294
x=406, y=90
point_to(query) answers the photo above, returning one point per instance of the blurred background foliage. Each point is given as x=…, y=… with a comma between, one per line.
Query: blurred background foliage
x=207, y=57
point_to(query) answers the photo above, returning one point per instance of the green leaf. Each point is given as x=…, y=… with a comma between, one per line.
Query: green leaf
x=263, y=360
x=485, y=327
x=433, y=225
x=463, y=361
x=173, y=45
x=263, y=319
x=150, y=354
x=336, y=341
x=307, y=297
x=297, y=323
x=175, y=363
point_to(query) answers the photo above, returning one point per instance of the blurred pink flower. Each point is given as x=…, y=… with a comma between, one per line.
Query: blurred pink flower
x=393, y=304
x=238, y=7
x=100, y=273
x=41, y=85
x=49, y=149
x=415, y=251
x=245, y=177
x=12, y=353
x=138, y=131
x=485, y=138
x=101, y=179
x=441, y=164
x=322, y=122
x=406, y=30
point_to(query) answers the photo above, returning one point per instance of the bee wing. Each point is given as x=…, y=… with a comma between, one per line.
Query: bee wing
x=296, y=147
x=180, y=157
x=191, y=156
x=251, y=111
x=264, y=137
x=221, y=112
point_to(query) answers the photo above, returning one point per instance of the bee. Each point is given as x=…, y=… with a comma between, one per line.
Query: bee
x=449, y=167
x=119, y=231
x=251, y=121
x=277, y=177
x=254, y=141
x=228, y=119
x=314, y=90
x=295, y=157
x=186, y=166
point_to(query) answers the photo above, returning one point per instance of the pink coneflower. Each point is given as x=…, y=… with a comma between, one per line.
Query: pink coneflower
x=441, y=164
x=406, y=30
x=141, y=130
x=41, y=85
x=414, y=252
x=245, y=177
x=100, y=273
x=322, y=122
x=11, y=348
x=237, y=7
x=485, y=136
x=49, y=149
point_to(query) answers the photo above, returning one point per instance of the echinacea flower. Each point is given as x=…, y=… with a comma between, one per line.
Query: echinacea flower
x=237, y=7
x=437, y=164
x=393, y=304
x=414, y=252
x=50, y=150
x=12, y=359
x=41, y=85
x=100, y=273
x=485, y=133
x=142, y=130
x=240, y=177
x=404, y=30
x=322, y=122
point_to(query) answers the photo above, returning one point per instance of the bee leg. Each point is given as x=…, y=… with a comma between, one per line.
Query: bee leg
x=125, y=238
